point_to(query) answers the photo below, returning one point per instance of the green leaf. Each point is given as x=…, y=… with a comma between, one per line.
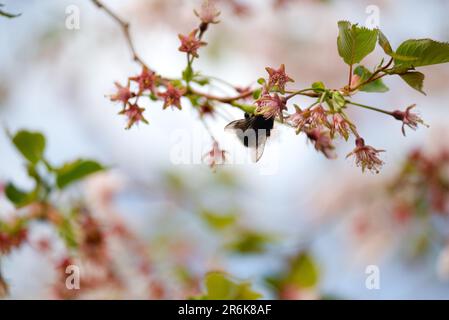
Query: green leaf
x=194, y=100
x=30, y=144
x=338, y=101
x=261, y=81
x=74, y=171
x=375, y=86
x=18, y=197
x=257, y=93
x=318, y=86
x=15, y=226
x=218, y=221
x=187, y=74
x=399, y=69
x=354, y=42
x=424, y=51
x=414, y=79
x=385, y=44
x=67, y=233
x=177, y=83
x=7, y=14
x=303, y=271
x=153, y=97
x=248, y=241
x=220, y=287
x=202, y=81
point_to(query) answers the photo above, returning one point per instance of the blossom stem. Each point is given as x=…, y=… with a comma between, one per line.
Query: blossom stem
x=369, y=107
x=375, y=76
x=209, y=131
x=351, y=124
x=222, y=99
x=221, y=81
x=304, y=93
x=350, y=76
x=125, y=27
x=244, y=107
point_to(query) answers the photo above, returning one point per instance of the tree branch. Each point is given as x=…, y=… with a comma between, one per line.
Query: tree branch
x=125, y=28
x=223, y=99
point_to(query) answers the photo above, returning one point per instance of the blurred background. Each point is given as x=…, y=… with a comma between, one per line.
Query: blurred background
x=174, y=222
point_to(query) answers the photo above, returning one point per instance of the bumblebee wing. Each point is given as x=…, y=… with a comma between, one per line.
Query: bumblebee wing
x=239, y=127
x=242, y=124
x=250, y=135
x=259, y=147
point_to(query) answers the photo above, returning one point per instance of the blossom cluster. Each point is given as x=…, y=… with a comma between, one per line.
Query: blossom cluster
x=323, y=121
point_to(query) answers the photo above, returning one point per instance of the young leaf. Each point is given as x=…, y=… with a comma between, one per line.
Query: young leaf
x=30, y=144
x=257, y=93
x=303, y=271
x=218, y=221
x=202, y=81
x=338, y=101
x=384, y=43
x=187, y=74
x=400, y=69
x=414, y=79
x=18, y=197
x=318, y=86
x=375, y=86
x=73, y=171
x=220, y=287
x=354, y=42
x=248, y=241
x=425, y=51
x=66, y=231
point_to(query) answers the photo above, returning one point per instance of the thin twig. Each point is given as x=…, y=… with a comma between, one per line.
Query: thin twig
x=209, y=131
x=125, y=27
x=350, y=76
x=369, y=107
x=303, y=92
x=223, y=99
x=374, y=76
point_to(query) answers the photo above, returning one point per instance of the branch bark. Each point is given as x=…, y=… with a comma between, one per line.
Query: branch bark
x=125, y=28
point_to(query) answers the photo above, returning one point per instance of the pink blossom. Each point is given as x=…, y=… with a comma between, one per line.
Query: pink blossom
x=299, y=119
x=3, y=287
x=355, y=80
x=309, y=118
x=172, y=97
x=208, y=12
x=190, y=44
x=318, y=117
x=134, y=114
x=340, y=125
x=206, y=109
x=323, y=142
x=215, y=156
x=278, y=78
x=366, y=157
x=146, y=80
x=123, y=94
x=271, y=106
x=408, y=118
